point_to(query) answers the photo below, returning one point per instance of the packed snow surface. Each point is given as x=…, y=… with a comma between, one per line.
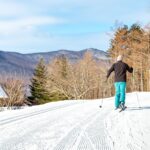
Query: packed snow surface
x=78, y=125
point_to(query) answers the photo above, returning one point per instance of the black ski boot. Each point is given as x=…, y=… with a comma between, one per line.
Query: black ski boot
x=122, y=106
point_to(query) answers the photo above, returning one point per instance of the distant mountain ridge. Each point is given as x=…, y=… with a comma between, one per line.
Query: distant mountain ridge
x=13, y=62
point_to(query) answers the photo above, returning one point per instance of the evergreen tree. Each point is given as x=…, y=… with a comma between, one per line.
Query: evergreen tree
x=38, y=84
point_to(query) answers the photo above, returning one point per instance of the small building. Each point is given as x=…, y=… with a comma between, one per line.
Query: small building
x=3, y=94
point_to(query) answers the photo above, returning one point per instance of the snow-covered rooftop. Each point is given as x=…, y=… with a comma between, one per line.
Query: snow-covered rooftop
x=2, y=93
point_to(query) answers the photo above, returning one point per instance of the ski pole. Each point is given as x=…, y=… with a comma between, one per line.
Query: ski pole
x=138, y=99
x=136, y=93
x=103, y=96
x=101, y=100
x=103, y=91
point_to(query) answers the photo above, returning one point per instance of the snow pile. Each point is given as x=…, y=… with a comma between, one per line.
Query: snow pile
x=78, y=125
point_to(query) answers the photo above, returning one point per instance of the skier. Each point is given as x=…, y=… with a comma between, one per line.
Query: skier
x=120, y=68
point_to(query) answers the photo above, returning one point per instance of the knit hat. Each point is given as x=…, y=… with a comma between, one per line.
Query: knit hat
x=119, y=58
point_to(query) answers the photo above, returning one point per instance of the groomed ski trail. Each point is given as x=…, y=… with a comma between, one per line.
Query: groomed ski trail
x=69, y=126
x=78, y=125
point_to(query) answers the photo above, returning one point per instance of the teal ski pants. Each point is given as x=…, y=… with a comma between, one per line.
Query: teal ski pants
x=120, y=89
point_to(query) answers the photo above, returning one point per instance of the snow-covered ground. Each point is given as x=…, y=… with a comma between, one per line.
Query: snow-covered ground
x=78, y=125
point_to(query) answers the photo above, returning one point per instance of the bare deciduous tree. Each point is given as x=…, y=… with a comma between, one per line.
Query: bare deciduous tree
x=81, y=80
x=14, y=87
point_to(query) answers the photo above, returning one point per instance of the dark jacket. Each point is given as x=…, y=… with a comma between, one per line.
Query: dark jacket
x=120, y=68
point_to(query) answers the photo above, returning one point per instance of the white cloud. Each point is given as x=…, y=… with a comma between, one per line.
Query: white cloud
x=11, y=9
x=23, y=23
x=26, y=24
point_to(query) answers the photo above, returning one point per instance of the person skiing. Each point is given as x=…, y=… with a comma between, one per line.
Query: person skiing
x=120, y=68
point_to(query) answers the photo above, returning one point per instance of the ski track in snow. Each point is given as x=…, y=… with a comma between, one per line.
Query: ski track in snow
x=78, y=125
x=130, y=129
x=19, y=117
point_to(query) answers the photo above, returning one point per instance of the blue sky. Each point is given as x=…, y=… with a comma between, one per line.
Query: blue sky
x=28, y=26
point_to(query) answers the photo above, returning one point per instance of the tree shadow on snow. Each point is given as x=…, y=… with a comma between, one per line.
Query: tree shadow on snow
x=138, y=108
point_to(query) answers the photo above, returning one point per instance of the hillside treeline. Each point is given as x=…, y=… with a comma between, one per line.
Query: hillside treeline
x=134, y=44
x=62, y=79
